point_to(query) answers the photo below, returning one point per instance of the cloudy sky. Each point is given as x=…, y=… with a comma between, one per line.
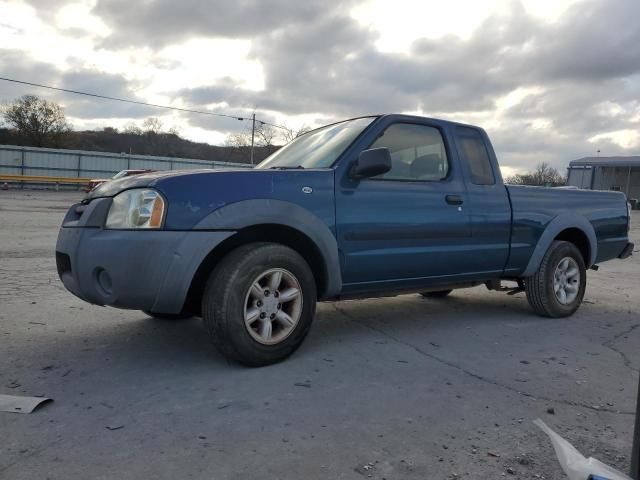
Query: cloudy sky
x=550, y=80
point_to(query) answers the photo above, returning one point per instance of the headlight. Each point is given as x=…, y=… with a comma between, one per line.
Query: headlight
x=136, y=208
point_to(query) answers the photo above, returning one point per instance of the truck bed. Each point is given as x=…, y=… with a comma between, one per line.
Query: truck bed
x=533, y=208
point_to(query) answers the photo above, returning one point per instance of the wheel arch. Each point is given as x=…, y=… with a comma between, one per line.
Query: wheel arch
x=575, y=229
x=272, y=221
x=275, y=233
x=579, y=239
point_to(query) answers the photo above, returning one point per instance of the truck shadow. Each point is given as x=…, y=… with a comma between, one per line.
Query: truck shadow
x=143, y=343
x=414, y=310
x=138, y=358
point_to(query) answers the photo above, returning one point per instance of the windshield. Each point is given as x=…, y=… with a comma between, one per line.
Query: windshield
x=318, y=148
x=120, y=174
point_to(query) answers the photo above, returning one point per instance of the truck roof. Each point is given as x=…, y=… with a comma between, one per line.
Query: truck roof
x=402, y=117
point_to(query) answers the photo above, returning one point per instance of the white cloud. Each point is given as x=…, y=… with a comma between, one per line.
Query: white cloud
x=400, y=22
x=514, y=97
x=509, y=171
x=78, y=16
x=200, y=61
x=548, y=79
x=624, y=138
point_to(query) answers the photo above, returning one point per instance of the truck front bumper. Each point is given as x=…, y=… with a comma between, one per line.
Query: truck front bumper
x=134, y=269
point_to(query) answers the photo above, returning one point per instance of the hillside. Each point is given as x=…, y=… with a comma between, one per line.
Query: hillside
x=148, y=143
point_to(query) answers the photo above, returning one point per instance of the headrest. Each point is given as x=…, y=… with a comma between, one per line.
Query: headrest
x=426, y=166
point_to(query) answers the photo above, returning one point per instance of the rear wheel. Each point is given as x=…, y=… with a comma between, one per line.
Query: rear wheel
x=259, y=303
x=438, y=294
x=557, y=288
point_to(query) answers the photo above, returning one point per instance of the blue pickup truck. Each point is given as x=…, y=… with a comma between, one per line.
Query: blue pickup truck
x=372, y=206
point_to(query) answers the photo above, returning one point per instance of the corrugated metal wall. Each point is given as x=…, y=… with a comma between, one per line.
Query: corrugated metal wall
x=580, y=176
x=10, y=161
x=620, y=178
x=85, y=164
x=623, y=179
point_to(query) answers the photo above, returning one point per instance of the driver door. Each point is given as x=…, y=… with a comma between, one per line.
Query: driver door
x=409, y=226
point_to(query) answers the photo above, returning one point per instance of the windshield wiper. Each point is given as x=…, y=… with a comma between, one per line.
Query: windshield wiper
x=286, y=167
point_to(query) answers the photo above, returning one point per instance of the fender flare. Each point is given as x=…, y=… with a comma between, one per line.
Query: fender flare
x=247, y=213
x=557, y=225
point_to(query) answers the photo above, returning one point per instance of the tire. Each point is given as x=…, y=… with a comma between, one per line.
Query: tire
x=438, y=294
x=229, y=298
x=167, y=316
x=542, y=286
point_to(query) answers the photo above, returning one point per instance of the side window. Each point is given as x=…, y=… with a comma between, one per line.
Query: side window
x=417, y=153
x=474, y=153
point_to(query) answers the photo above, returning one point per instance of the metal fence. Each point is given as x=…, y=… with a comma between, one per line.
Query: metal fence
x=85, y=164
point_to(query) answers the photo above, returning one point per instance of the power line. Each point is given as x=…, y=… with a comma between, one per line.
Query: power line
x=155, y=105
x=273, y=125
x=125, y=100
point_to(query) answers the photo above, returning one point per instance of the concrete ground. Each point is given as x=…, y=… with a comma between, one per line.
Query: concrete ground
x=398, y=388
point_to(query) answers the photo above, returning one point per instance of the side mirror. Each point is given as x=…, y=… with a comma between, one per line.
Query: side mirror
x=370, y=163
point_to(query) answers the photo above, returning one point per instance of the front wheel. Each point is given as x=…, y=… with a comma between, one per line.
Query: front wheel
x=557, y=288
x=259, y=303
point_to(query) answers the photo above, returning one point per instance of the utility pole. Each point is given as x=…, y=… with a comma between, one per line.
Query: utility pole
x=253, y=133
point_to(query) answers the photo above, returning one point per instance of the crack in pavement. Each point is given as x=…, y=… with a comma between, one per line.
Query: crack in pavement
x=609, y=344
x=475, y=375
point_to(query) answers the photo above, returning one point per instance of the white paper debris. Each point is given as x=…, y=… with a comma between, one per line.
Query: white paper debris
x=574, y=464
x=16, y=404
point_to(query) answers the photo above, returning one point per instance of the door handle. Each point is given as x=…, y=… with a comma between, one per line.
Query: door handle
x=454, y=199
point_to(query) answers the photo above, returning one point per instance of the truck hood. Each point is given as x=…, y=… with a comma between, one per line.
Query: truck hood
x=112, y=187
x=192, y=195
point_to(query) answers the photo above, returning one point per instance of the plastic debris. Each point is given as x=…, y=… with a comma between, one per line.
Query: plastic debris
x=574, y=464
x=18, y=404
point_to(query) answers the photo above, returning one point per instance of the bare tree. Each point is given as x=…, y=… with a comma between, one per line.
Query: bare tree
x=132, y=129
x=238, y=140
x=544, y=175
x=152, y=125
x=265, y=135
x=289, y=134
x=175, y=131
x=42, y=122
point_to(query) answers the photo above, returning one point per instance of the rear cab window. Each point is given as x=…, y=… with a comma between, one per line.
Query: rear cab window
x=473, y=152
